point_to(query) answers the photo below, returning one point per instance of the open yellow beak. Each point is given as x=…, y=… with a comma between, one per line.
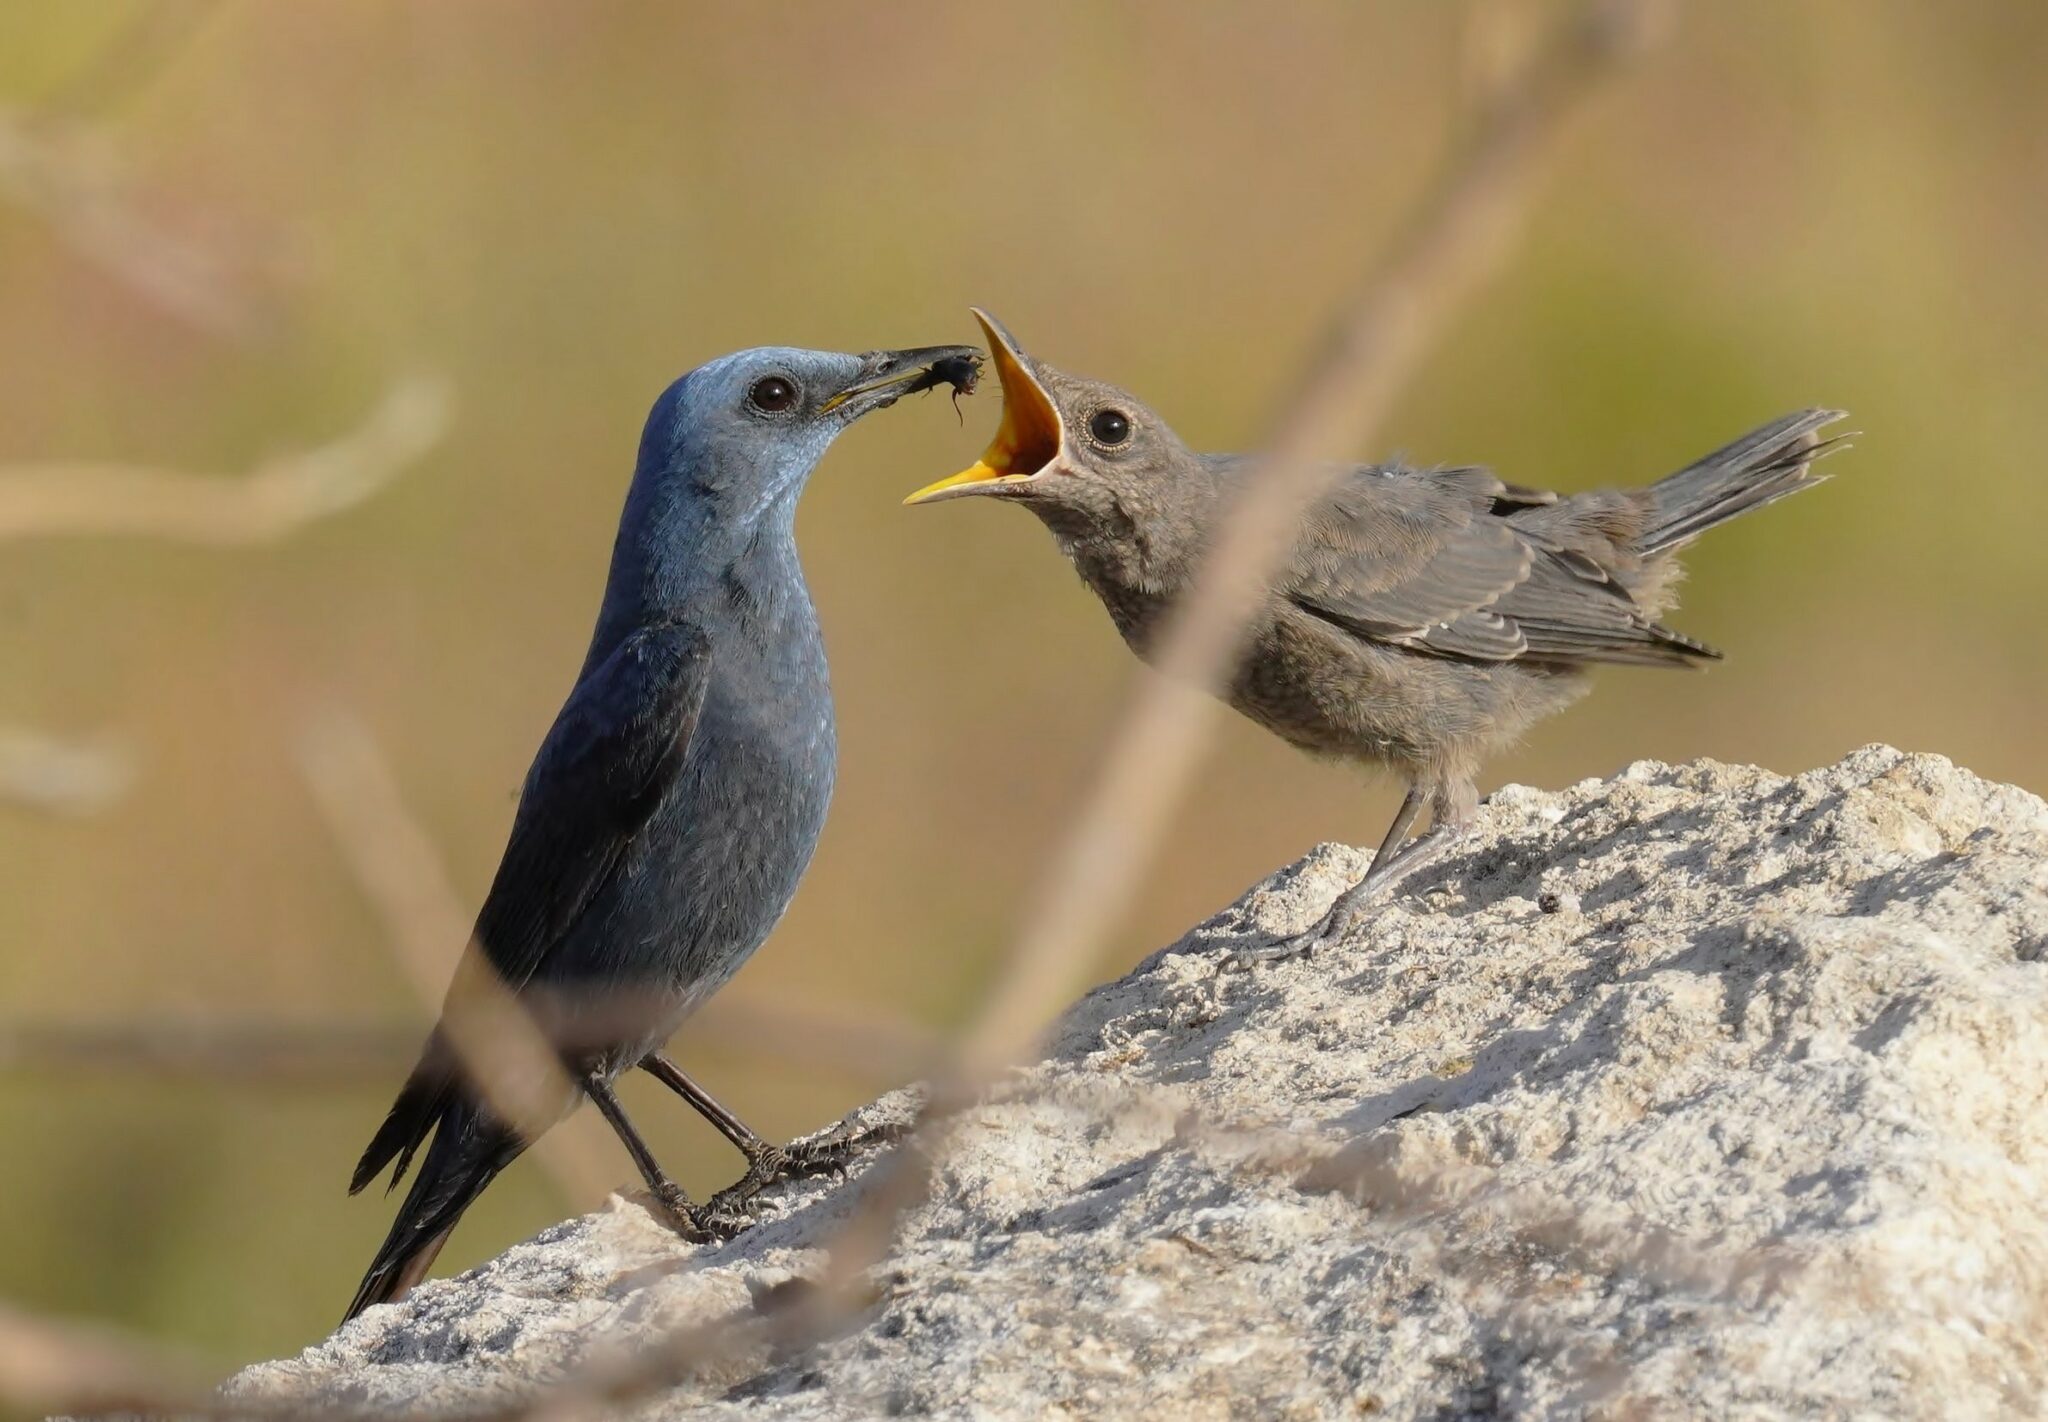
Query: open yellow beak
x=1027, y=440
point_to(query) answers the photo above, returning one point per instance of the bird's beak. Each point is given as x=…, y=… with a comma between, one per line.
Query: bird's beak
x=885, y=377
x=1027, y=441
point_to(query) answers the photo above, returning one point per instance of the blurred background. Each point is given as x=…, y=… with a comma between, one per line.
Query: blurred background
x=227, y=229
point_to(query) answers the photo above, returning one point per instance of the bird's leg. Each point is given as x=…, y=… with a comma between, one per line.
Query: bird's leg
x=672, y=1196
x=1452, y=804
x=1396, y=859
x=766, y=1163
x=658, y=1066
x=1302, y=944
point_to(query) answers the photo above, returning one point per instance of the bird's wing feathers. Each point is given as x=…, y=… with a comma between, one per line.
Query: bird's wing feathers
x=603, y=768
x=612, y=751
x=1396, y=554
x=1435, y=561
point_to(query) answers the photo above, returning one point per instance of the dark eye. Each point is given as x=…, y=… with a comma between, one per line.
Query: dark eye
x=773, y=394
x=1109, y=427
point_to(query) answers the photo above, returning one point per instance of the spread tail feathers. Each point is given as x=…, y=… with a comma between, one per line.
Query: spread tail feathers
x=420, y=1102
x=1762, y=467
x=468, y=1151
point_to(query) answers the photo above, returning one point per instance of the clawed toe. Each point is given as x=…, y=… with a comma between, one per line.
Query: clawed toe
x=832, y=1154
x=1244, y=958
x=720, y=1218
x=730, y=1210
x=682, y=1213
x=829, y=1156
x=1272, y=948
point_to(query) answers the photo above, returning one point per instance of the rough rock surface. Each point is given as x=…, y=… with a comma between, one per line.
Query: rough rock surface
x=1696, y=1092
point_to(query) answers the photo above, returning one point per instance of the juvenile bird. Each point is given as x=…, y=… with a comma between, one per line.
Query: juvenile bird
x=676, y=801
x=1423, y=618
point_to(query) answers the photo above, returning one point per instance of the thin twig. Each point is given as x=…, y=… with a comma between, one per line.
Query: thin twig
x=267, y=1049
x=1459, y=236
x=67, y=175
x=501, y=1049
x=86, y=1370
x=872, y=1042
x=39, y=772
x=279, y=497
x=131, y=59
x=262, y=1050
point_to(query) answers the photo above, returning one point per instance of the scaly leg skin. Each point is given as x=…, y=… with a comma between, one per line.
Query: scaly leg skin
x=725, y=1213
x=771, y=1165
x=1394, y=862
x=673, y=1199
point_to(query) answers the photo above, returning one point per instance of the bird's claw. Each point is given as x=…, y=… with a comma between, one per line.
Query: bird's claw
x=718, y=1219
x=1346, y=913
x=827, y=1155
x=1244, y=958
x=1324, y=933
x=728, y=1212
x=713, y=1222
x=683, y=1213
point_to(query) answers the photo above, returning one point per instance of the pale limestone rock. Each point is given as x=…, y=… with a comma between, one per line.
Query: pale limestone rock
x=1697, y=1092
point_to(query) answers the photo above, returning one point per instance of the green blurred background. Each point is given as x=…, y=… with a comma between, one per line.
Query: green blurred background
x=564, y=206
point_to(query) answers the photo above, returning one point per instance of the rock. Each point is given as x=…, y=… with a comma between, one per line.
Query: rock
x=1696, y=1092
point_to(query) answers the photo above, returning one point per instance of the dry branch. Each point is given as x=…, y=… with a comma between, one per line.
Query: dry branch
x=266, y=1049
x=86, y=1370
x=68, y=176
x=1459, y=235
x=501, y=1049
x=39, y=772
x=277, y=498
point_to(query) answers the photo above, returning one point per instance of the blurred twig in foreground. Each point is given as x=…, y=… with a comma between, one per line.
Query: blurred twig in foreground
x=133, y=56
x=85, y=1370
x=499, y=1046
x=264, y=1049
x=68, y=175
x=39, y=772
x=278, y=497
x=1459, y=235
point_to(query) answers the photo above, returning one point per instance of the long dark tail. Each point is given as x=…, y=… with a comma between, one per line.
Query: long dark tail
x=468, y=1151
x=1765, y=465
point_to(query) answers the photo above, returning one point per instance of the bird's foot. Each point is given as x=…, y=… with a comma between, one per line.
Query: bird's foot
x=1347, y=912
x=718, y=1219
x=1247, y=956
x=830, y=1155
x=730, y=1210
x=683, y=1213
x=1326, y=932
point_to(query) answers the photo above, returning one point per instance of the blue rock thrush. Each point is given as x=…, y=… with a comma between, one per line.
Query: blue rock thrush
x=675, y=803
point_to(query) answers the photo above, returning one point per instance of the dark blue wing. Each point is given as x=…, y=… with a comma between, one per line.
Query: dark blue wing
x=604, y=766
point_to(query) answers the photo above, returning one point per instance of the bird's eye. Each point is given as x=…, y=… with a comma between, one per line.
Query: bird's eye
x=772, y=394
x=1107, y=427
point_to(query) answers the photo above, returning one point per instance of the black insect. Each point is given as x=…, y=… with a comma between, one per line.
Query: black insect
x=962, y=372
